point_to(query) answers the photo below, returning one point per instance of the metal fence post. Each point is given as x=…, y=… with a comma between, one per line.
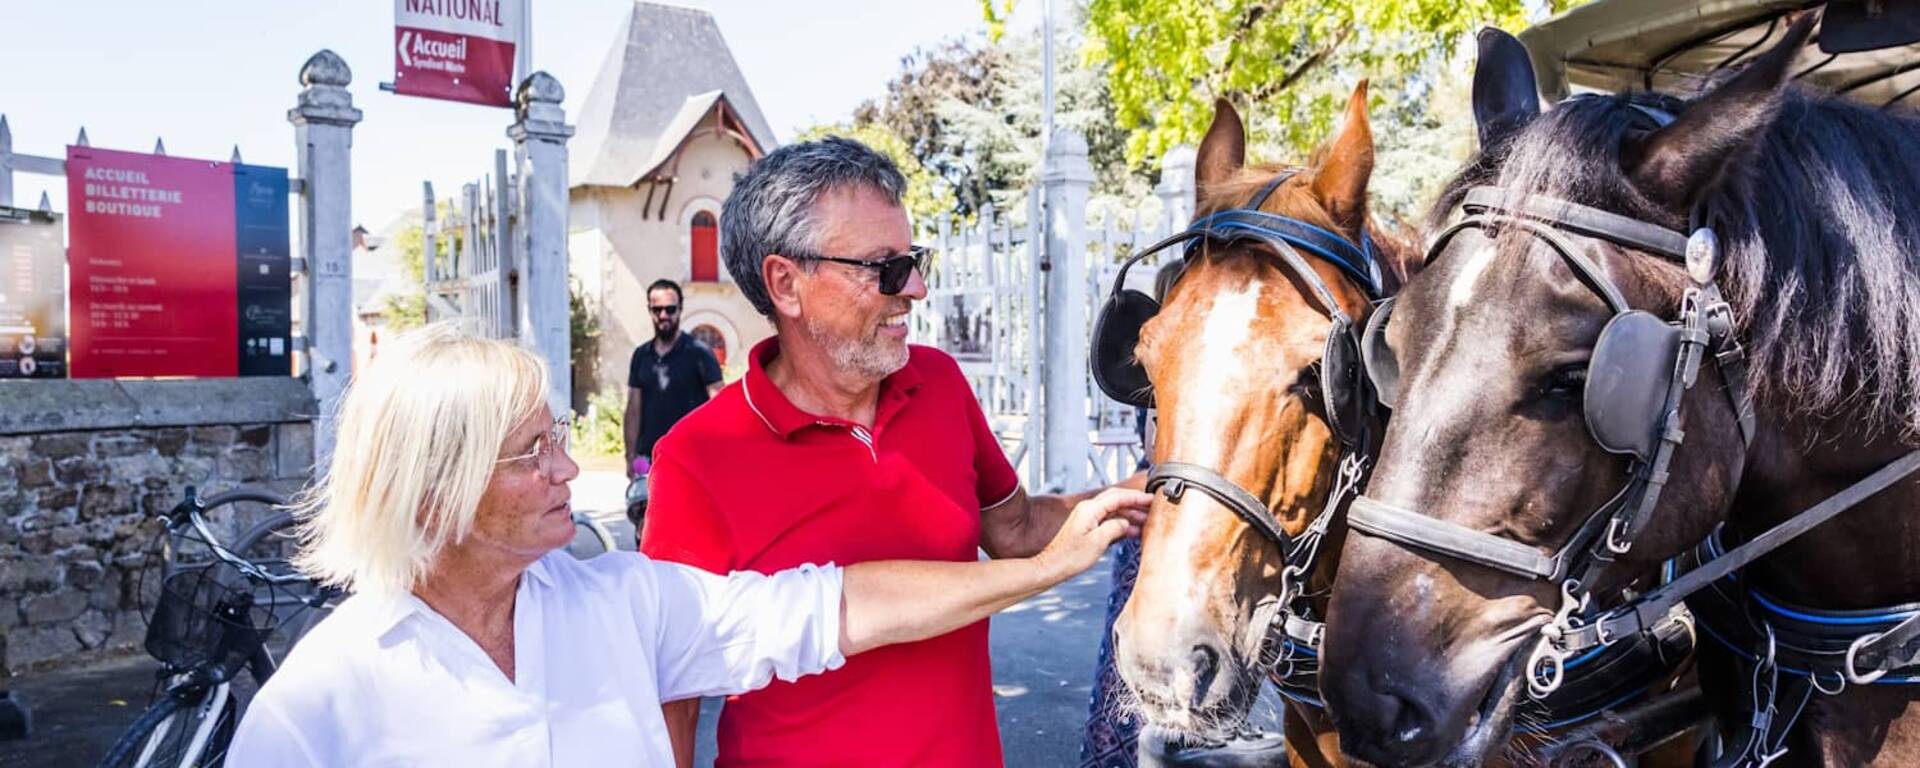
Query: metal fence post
x=1066, y=179
x=539, y=135
x=1176, y=188
x=323, y=121
x=6, y=162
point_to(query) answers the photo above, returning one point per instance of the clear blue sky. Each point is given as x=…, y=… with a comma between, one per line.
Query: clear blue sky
x=207, y=75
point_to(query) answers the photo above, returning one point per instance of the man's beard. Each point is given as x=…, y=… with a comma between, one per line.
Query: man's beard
x=666, y=332
x=874, y=357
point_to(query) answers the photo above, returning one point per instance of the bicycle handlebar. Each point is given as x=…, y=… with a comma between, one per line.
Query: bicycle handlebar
x=188, y=513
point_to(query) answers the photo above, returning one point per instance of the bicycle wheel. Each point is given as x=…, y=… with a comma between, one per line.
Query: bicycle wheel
x=176, y=732
x=271, y=544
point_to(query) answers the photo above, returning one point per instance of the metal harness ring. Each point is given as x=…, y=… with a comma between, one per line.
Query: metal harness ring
x=1853, y=673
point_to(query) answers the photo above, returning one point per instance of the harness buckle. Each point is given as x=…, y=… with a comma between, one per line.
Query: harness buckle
x=1853, y=673
x=1617, y=540
x=1547, y=666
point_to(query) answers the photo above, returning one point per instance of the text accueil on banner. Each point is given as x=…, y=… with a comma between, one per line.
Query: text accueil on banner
x=120, y=192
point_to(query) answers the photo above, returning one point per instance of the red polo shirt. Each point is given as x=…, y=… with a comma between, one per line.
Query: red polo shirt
x=751, y=482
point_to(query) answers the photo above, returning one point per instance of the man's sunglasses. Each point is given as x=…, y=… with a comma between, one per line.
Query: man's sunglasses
x=894, y=270
x=669, y=310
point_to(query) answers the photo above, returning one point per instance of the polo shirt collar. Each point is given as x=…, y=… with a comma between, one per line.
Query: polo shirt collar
x=784, y=418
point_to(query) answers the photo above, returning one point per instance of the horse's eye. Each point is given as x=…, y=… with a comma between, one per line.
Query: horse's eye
x=1566, y=383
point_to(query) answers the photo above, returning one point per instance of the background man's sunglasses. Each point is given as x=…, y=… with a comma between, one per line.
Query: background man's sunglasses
x=894, y=270
x=669, y=310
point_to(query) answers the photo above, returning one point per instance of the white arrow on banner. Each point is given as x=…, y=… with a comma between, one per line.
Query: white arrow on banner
x=404, y=58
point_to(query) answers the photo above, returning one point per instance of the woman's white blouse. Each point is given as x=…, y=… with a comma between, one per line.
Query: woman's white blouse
x=598, y=644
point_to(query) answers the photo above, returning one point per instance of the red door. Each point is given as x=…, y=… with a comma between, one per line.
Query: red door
x=706, y=248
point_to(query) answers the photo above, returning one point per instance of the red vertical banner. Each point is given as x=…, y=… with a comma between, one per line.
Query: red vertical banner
x=150, y=265
x=461, y=50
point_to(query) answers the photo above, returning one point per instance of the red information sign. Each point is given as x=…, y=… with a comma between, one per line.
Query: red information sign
x=176, y=267
x=456, y=49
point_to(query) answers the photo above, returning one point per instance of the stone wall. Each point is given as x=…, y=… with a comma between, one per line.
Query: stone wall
x=84, y=467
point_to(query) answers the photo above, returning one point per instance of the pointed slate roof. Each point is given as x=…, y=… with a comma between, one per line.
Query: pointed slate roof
x=665, y=62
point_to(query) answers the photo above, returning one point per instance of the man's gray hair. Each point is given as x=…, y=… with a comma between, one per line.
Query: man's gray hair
x=771, y=208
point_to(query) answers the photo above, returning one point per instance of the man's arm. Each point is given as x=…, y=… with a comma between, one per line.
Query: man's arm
x=1021, y=525
x=683, y=718
x=713, y=390
x=630, y=429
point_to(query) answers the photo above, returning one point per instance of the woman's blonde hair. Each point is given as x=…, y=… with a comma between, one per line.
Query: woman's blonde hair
x=417, y=435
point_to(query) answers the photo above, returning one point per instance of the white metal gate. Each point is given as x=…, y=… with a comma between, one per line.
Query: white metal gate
x=470, y=258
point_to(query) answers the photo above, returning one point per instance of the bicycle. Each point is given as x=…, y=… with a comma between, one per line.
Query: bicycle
x=211, y=620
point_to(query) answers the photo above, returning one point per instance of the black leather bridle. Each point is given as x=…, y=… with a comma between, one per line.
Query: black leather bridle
x=1288, y=635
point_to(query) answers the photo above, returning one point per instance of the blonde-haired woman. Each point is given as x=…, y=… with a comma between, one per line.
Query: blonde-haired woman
x=472, y=639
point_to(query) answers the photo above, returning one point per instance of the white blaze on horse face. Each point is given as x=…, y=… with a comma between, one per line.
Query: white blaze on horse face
x=1467, y=279
x=1209, y=403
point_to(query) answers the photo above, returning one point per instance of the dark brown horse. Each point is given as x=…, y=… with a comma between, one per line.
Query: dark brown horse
x=1813, y=201
x=1232, y=356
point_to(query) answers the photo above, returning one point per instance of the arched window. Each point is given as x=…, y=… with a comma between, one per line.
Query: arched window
x=705, y=236
x=714, y=340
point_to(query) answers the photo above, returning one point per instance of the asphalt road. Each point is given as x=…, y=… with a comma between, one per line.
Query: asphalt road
x=1044, y=652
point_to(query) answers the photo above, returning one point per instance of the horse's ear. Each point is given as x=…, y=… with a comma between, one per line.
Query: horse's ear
x=1341, y=180
x=1674, y=165
x=1505, y=96
x=1223, y=152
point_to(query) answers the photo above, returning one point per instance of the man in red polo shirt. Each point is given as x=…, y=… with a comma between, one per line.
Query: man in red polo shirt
x=845, y=444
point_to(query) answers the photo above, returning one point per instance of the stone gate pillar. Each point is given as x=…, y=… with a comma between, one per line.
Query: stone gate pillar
x=539, y=134
x=323, y=121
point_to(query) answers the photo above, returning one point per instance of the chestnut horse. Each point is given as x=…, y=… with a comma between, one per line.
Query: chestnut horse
x=1497, y=442
x=1232, y=356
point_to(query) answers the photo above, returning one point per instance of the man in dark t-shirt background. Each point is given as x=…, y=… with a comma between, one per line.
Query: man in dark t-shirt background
x=668, y=376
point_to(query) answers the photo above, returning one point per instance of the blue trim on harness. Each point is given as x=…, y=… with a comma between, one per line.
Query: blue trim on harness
x=1716, y=549
x=1356, y=261
x=1748, y=656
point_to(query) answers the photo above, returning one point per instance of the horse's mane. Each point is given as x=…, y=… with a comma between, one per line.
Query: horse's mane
x=1395, y=245
x=1817, y=227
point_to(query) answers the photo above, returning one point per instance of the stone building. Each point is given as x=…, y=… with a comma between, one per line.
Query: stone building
x=668, y=123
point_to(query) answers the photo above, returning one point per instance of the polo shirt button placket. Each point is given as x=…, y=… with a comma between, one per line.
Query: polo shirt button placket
x=861, y=434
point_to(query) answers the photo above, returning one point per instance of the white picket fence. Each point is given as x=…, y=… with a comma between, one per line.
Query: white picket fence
x=984, y=305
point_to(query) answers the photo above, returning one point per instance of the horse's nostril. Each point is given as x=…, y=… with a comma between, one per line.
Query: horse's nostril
x=1410, y=722
x=1206, y=664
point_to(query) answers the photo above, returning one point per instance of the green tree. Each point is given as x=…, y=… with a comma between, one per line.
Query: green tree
x=1295, y=61
x=1289, y=66
x=972, y=115
x=408, y=309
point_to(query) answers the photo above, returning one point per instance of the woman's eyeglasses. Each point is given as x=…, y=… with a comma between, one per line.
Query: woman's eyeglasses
x=547, y=450
x=893, y=270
